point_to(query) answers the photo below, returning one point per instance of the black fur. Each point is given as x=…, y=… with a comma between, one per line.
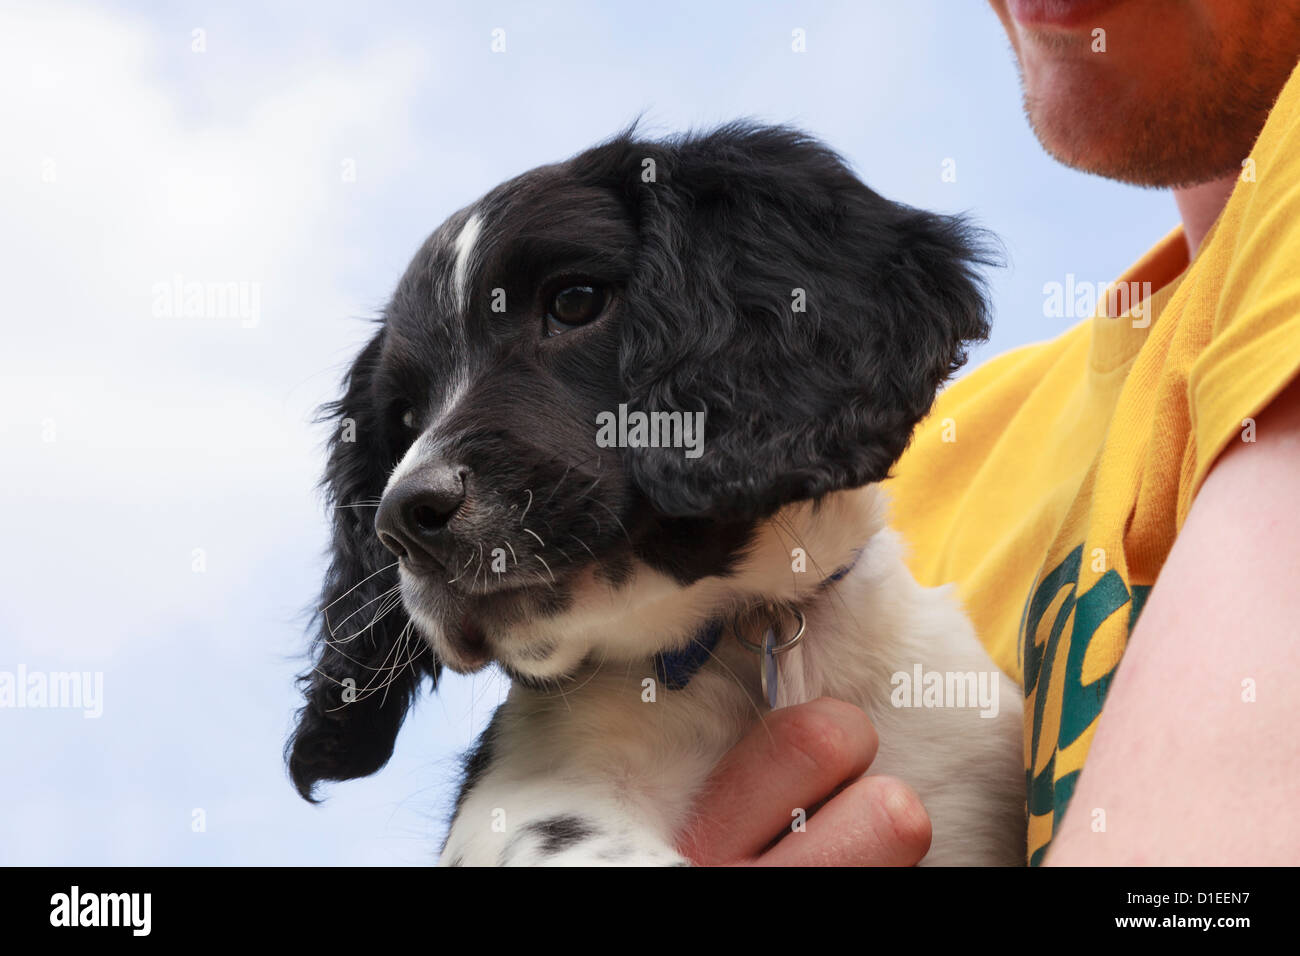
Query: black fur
x=702, y=263
x=560, y=833
x=335, y=739
x=798, y=403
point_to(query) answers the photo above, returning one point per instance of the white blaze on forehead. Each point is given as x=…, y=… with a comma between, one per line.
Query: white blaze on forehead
x=409, y=461
x=464, y=249
x=428, y=445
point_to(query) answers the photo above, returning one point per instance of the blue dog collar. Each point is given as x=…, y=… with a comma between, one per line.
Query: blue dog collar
x=676, y=668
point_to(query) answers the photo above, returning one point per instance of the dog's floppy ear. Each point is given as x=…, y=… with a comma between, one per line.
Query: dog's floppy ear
x=811, y=320
x=366, y=664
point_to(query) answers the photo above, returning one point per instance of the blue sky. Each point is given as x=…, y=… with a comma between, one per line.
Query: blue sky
x=139, y=445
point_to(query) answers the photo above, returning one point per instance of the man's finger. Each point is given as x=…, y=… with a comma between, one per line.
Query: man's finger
x=795, y=759
x=877, y=821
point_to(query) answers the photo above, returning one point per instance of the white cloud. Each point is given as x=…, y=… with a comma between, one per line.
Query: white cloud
x=109, y=412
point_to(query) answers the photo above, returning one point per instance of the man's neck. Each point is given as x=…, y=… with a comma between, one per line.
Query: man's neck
x=1200, y=205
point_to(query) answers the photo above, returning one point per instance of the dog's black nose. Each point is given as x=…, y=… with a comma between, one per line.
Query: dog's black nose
x=413, y=517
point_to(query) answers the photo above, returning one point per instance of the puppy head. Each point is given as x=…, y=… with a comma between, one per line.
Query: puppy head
x=781, y=327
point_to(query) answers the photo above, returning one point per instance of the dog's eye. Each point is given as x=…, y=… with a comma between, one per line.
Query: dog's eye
x=573, y=306
x=404, y=415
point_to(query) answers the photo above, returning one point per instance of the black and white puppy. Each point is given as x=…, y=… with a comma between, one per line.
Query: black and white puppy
x=623, y=423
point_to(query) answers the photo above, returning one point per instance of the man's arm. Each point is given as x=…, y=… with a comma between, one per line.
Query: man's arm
x=1196, y=758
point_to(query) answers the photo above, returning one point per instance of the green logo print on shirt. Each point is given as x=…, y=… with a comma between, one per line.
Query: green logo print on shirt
x=1080, y=703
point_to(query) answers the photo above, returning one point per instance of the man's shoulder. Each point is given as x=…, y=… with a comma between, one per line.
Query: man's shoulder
x=1010, y=375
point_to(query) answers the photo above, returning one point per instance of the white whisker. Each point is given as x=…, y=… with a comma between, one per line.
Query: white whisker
x=333, y=628
x=357, y=585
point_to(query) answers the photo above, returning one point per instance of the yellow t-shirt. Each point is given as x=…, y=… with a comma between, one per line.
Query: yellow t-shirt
x=1050, y=483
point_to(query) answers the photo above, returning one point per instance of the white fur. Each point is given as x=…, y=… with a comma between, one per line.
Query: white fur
x=427, y=446
x=466, y=240
x=595, y=750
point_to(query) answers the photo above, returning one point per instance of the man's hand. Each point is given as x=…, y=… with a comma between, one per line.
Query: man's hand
x=808, y=757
